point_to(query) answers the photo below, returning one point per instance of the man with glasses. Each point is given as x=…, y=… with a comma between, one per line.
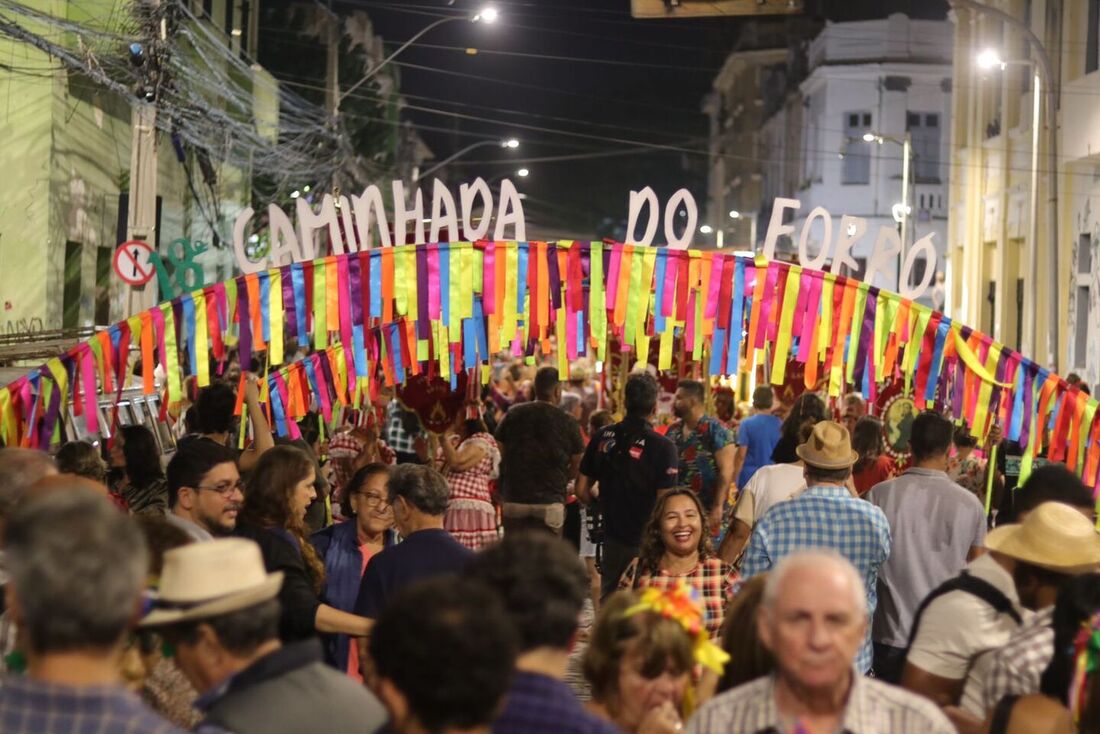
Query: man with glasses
x=205, y=491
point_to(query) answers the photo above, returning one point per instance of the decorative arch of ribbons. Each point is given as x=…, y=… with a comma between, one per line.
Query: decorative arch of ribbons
x=385, y=314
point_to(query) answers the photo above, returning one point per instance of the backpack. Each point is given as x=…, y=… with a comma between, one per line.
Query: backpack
x=973, y=585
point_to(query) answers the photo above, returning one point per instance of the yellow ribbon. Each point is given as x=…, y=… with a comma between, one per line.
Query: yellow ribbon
x=969, y=358
x=275, y=312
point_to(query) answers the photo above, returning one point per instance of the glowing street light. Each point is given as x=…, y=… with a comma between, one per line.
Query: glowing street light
x=509, y=143
x=734, y=214
x=990, y=59
x=488, y=14
x=870, y=138
x=706, y=229
x=523, y=173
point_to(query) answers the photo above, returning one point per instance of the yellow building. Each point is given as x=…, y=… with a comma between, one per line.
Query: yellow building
x=992, y=281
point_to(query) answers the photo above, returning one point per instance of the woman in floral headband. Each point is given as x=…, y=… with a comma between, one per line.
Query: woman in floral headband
x=641, y=658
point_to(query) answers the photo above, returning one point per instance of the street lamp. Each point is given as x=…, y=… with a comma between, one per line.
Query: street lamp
x=706, y=229
x=510, y=144
x=487, y=15
x=990, y=59
x=902, y=210
x=734, y=214
x=523, y=173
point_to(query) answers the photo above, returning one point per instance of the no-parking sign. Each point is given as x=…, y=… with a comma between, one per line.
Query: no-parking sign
x=134, y=262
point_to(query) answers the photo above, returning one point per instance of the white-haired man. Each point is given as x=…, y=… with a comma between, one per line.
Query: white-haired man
x=813, y=620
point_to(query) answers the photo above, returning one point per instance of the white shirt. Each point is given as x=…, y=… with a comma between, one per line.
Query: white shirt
x=959, y=633
x=769, y=486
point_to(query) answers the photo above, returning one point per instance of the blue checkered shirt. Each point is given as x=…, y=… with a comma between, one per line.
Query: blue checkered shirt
x=28, y=706
x=824, y=517
x=396, y=437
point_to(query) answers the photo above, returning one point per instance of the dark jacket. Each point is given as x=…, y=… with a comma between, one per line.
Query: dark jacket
x=291, y=690
x=338, y=546
x=281, y=552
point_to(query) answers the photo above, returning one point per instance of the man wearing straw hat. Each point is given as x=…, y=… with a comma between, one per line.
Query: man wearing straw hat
x=217, y=610
x=962, y=624
x=825, y=515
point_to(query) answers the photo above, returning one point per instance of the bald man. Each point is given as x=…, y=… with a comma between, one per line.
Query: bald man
x=813, y=619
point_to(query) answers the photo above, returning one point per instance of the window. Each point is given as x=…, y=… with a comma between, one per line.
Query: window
x=857, y=153
x=70, y=304
x=1092, y=53
x=924, y=130
x=1084, y=254
x=103, y=260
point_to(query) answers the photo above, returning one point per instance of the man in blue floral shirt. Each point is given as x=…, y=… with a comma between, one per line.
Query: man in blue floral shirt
x=706, y=449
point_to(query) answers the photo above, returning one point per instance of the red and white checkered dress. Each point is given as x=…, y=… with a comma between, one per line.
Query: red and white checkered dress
x=712, y=578
x=471, y=517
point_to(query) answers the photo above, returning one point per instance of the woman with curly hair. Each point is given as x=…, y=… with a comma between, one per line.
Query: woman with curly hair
x=808, y=410
x=675, y=549
x=278, y=493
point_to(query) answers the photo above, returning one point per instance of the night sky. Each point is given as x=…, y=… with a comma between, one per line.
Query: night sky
x=652, y=92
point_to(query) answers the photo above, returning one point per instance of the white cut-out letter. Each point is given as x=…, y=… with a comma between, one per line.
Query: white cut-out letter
x=683, y=196
x=776, y=228
x=368, y=210
x=887, y=247
x=444, y=212
x=347, y=221
x=851, y=229
x=243, y=262
x=925, y=244
x=510, y=212
x=826, y=239
x=466, y=193
x=284, y=248
x=310, y=221
x=637, y=198
x=402, y=215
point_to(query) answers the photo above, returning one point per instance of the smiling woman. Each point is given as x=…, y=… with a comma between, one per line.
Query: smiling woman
x=675, y=549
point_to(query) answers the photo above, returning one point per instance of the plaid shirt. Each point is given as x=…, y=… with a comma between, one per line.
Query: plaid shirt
x=824, y=517
x=1018, y=666
x=396, y=437
x=29, y=706
x=872, y=708
x=712, y=578
x=537, y=704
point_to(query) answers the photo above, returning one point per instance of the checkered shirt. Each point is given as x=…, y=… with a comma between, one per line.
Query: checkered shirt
x=872, y=708
x=396, y=437
x=1018, y=666
x=824, y=517
x=712, y=579
x=29, y=706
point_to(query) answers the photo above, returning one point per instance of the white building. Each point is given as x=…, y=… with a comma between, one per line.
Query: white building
x=882, y=77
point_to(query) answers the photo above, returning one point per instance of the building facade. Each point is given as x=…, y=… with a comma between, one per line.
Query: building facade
x=1047, y=312
x=883, y=77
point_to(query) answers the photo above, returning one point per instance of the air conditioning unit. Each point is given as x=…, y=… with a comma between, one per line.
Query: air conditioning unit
x=719, y=8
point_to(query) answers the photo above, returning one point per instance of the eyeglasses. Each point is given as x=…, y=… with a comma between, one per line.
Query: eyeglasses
x=373, y=501
x=224, y=488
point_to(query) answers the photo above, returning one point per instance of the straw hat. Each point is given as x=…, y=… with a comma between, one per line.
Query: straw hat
x=1053, y=536
x=205, y=580
x=828, y=447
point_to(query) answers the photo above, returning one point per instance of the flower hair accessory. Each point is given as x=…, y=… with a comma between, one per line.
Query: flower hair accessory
x=1086, y=661
x=682, y=605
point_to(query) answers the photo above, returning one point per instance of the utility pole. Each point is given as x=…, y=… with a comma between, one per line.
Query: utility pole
x=141, y=216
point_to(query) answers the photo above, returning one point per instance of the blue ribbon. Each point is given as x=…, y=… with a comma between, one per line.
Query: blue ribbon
x=479, y=332
x=265, y=304
x=375, y=284
x=299, y=280
x=737, y=304
x=360, y=349
x=395, y=349
x=1017, y=423
x=937, y=359
x=521, y=278
x=277, y=406
x=311, y=375
x=659, y=281
x=189, y=323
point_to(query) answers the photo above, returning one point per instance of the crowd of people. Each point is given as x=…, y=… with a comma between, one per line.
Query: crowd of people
x=554, y=560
